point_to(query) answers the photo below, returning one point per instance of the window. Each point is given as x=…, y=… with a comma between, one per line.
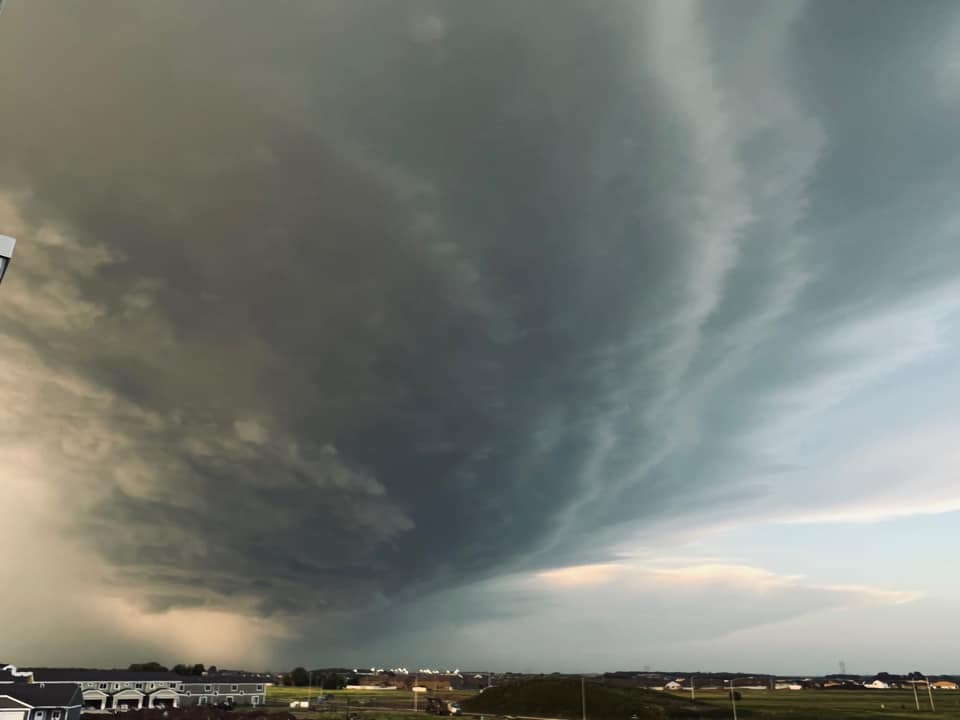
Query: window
x=256, y=699
x=38, y=715
x=203, y=699
x=233, y=688
x=55, y=715
x=152, y=685
x=207, y=688
x=103, y=686
x=230, y=699
x=259, y=688
x=138, y=686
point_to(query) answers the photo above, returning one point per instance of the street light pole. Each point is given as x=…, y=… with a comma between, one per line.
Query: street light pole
x=916, y=699
x=733, y=701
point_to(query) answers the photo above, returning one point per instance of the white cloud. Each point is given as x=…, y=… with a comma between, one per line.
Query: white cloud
x=721, y=577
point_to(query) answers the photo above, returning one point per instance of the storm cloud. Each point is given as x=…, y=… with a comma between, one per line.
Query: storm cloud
x=322, y=310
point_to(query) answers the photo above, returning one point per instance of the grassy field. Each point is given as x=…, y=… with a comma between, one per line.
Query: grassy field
x=754, y=705
x=365, y=703
x=839, y=704
x=561, y=698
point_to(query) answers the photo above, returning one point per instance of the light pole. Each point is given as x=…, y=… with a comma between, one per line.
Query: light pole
x=930, y=694
x=583, y=696
x=6, y=243
x=733, y=700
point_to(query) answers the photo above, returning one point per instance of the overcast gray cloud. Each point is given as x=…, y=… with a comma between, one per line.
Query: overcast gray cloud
x=323, y=308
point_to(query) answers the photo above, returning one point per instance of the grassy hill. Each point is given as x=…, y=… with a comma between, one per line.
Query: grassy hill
x=560, y=698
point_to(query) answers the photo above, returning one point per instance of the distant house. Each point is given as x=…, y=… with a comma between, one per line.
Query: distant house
x=945, y=685
x=673, y=685
x=35, y=701
x=877, y=685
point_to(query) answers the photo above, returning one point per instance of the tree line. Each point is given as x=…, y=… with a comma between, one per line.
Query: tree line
x=179, y=668
x=301, y=677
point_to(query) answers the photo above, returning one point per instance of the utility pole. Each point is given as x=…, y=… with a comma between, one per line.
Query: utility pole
x=916, y=700
x=733, y=701
x=415, y=684
x=930, y=694
x=693, y=693
x=583, y=696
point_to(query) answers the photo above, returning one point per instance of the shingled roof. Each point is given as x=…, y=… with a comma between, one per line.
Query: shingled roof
x=60, y=675
x=37, y=695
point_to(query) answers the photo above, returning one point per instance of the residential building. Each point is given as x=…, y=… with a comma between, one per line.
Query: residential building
x=10, y=674
x=118, y=689
x=38, y=701
x=236, y=690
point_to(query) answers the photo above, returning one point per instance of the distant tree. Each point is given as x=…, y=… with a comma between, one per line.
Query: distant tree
x=147, y=667
x=299, y=677
x=181, y=669
x=197, y=669
x=332, y=681
x=212, y=669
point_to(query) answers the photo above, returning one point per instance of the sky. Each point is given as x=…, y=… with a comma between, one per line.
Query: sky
x=528, y=336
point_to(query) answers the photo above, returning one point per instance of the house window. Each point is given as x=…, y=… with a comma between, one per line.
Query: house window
x=207, y=688
x=230, y=699
x=233, y=688
x=259, y=688
x=103, y=686
x=203, y=699
x=152, y=685
x=38, y=715
x=139, y=686
x=55, y=715
x=256, y=699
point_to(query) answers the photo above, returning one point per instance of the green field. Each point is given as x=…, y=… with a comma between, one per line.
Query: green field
x=612, y=704
x=562, y=698
x=382, y=705
x=838, y=704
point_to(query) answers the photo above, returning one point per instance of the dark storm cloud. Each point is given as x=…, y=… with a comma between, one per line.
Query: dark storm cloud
x=416, y=262
x=397, y=296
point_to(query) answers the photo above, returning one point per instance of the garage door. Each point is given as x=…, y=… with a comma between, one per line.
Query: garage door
x=6, y=714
